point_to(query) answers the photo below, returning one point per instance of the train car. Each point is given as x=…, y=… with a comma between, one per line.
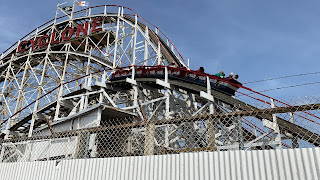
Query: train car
x=225, y=85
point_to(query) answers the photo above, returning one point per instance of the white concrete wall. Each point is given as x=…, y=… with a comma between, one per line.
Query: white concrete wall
x=258, y=165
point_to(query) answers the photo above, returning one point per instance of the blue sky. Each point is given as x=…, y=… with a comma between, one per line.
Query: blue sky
x=253, y=38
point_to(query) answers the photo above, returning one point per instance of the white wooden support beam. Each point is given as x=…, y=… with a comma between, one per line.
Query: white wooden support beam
x=207, y=95
x=158, y=49
x=135, y=99
x=277, y=130
x=81, y=95
x=74, y=110
x=164, y=83
x=167, y=103
x=269, y=124
x=116, y=40
x=101, y=84
x=145, y=103
x=134, y=42
x=291, y=117
x=103, y=80
x=122, y=11
x=84, y=86
x=160, y=104
x=167, y=86
x=131, y=81
x=109, y=99
x=89, y=80
x=135, y=93
x=17, y=48
x=194, y=114
x=81, y=103
x=159, y=54
x=146, y=45
x=57, y=112
x=87, y=85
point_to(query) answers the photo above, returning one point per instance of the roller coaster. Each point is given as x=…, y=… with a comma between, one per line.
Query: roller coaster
x=102, y=67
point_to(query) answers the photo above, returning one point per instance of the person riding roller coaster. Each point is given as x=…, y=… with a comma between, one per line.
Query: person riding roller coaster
x=226, y=85
x=201, y=69
x=234, y=80
x=220, y=74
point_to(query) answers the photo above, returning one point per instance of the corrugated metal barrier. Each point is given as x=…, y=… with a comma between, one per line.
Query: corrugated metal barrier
x=260, y=164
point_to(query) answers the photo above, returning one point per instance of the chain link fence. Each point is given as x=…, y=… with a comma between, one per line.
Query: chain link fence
x=228, y=128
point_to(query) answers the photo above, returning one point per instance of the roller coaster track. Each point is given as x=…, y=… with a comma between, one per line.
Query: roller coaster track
x=285, y=126
x=54, y=82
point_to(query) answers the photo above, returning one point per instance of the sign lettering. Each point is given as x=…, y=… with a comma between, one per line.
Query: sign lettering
x=66, y=35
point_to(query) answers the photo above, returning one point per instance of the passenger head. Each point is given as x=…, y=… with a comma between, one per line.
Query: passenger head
x=231, y=75
x=236, y=76
x=201, y=69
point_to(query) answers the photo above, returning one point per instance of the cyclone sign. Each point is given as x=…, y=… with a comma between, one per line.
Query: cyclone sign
x=65, y=35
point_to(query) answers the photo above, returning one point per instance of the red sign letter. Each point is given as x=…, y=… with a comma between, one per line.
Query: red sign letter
x=33, y=43
x=53, y=37
x=69, y=35
x=20, y=50
x=95, y=23
x=45, y=39
x=80, y=28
